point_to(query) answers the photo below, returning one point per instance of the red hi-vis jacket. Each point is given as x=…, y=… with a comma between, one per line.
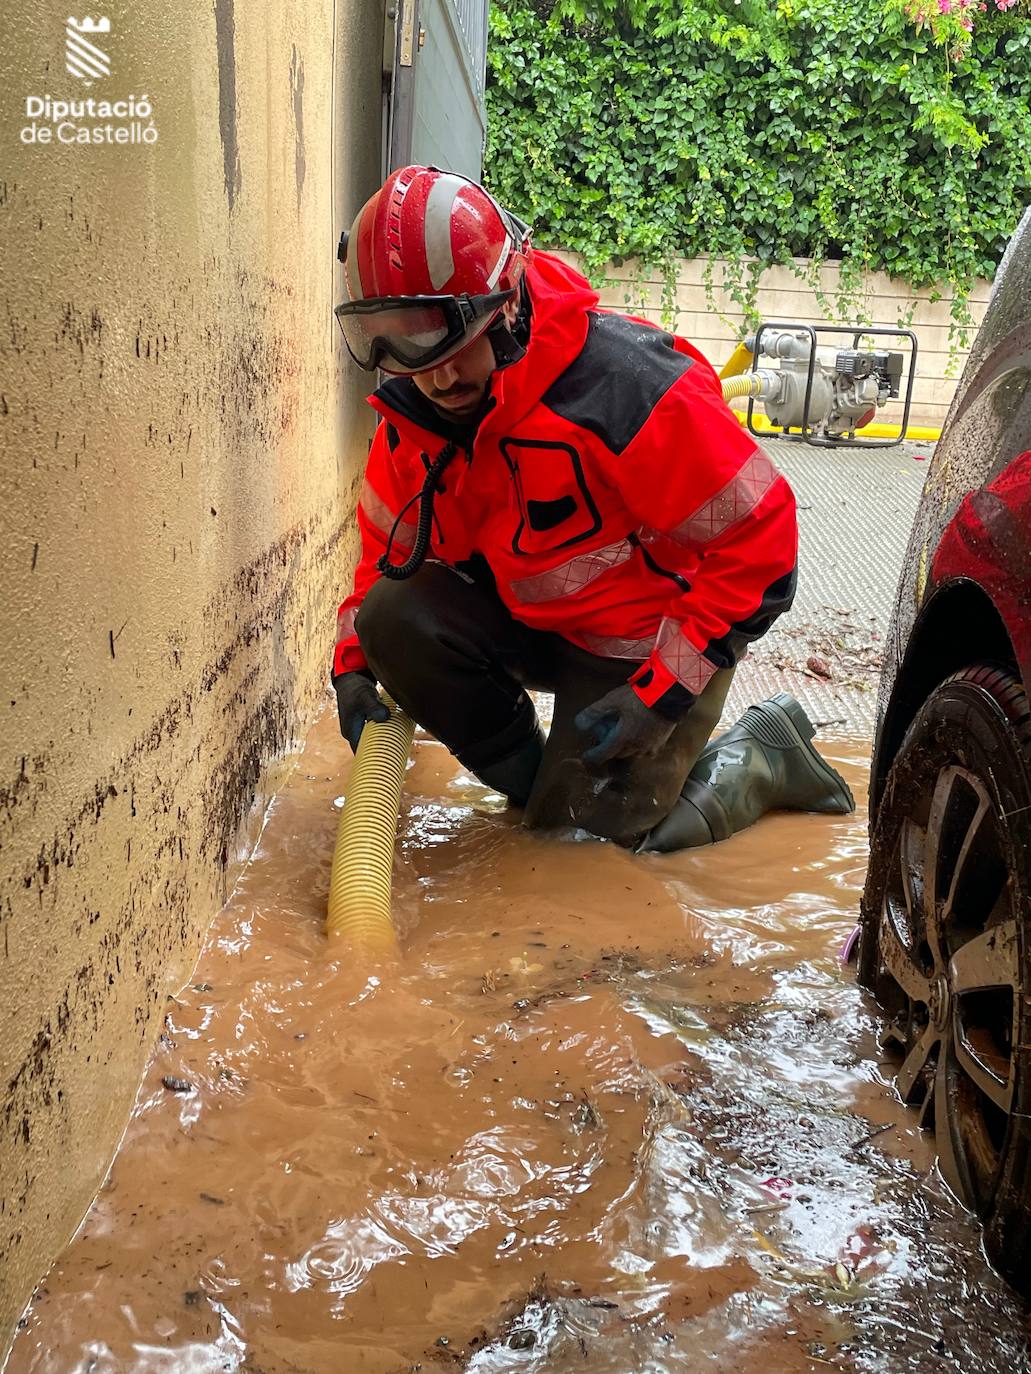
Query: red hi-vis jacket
x=610, y=489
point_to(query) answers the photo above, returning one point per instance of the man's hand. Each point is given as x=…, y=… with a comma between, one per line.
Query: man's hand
x=622, y=727
x=358, y=702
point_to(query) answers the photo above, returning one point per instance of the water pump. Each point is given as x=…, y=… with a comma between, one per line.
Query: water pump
x=826, y=394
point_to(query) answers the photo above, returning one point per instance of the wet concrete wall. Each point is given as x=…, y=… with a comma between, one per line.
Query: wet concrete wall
x=181, y=444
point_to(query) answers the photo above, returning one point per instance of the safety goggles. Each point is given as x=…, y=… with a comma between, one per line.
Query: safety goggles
x=405, y=334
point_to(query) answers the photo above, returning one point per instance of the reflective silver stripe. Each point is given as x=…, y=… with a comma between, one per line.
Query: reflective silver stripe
x=648, y=534
x=618, y=646
x=675, y=651
x=379, y=514
x=506, y=249
x=738, y=498
x=346, y=617
x=569, y=578
x=440, y=202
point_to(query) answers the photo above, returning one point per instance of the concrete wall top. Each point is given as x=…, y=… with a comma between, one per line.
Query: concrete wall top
x=809, y=293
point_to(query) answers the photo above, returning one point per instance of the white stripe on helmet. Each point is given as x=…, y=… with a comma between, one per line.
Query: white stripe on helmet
x=499, y=266
x=440, y=202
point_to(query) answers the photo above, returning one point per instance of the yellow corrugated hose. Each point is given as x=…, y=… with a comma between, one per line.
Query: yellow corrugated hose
x=363, y=859
x=748, y=385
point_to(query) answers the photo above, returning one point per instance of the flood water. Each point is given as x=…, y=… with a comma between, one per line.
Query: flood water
x=612, y=1113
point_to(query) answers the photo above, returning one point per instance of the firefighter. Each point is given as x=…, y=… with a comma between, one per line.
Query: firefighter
x=558, y=498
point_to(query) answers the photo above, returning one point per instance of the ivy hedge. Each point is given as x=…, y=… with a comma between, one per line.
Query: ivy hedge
x=762, y=132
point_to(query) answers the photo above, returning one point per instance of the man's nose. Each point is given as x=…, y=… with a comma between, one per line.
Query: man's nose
x=445, y=376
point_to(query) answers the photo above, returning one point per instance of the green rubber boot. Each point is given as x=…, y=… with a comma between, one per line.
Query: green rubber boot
x=763, y=763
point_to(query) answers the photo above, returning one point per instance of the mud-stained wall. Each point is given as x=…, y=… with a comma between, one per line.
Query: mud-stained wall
x=181, y=445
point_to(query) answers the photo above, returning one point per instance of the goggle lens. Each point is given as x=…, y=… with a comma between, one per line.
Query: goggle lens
x=409, y=335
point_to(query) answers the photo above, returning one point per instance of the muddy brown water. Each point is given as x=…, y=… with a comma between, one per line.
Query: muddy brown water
x=612, y=1113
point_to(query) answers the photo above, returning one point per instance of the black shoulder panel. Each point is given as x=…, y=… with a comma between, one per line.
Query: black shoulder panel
x=622, y=372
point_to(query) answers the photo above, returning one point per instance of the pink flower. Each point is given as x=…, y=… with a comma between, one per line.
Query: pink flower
x=944, y=6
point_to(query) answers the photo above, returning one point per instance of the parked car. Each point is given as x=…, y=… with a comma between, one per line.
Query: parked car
x=945, y=943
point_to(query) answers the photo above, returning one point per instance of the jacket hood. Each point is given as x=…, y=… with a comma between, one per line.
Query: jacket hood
x=560, y=299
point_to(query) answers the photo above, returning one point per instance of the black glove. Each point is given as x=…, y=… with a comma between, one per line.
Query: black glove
x=357, y=702
x=622, y=727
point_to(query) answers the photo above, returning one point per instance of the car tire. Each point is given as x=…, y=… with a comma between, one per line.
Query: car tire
x=945, y=944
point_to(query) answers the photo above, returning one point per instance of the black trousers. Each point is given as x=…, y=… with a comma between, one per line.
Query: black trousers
x=448, y=651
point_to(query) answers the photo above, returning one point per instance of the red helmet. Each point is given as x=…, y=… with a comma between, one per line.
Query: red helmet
x=430, y=261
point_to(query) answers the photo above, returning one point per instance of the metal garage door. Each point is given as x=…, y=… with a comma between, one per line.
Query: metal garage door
x=436, y=110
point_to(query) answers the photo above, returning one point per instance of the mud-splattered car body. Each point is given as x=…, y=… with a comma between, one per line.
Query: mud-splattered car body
x=965, y=592
x=945, y=942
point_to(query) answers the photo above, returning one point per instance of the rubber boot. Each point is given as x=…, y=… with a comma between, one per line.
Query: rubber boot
x=764, y=762
x=513, y=775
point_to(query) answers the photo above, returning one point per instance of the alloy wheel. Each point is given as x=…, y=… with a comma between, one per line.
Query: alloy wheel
x=947, y=936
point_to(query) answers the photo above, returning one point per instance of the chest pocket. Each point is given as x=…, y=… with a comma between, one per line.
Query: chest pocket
x=555, y=506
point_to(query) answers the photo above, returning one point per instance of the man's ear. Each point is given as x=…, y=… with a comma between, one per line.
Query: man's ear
x=511, y=309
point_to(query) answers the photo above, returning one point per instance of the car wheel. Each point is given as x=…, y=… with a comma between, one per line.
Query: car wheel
x=944, y=944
